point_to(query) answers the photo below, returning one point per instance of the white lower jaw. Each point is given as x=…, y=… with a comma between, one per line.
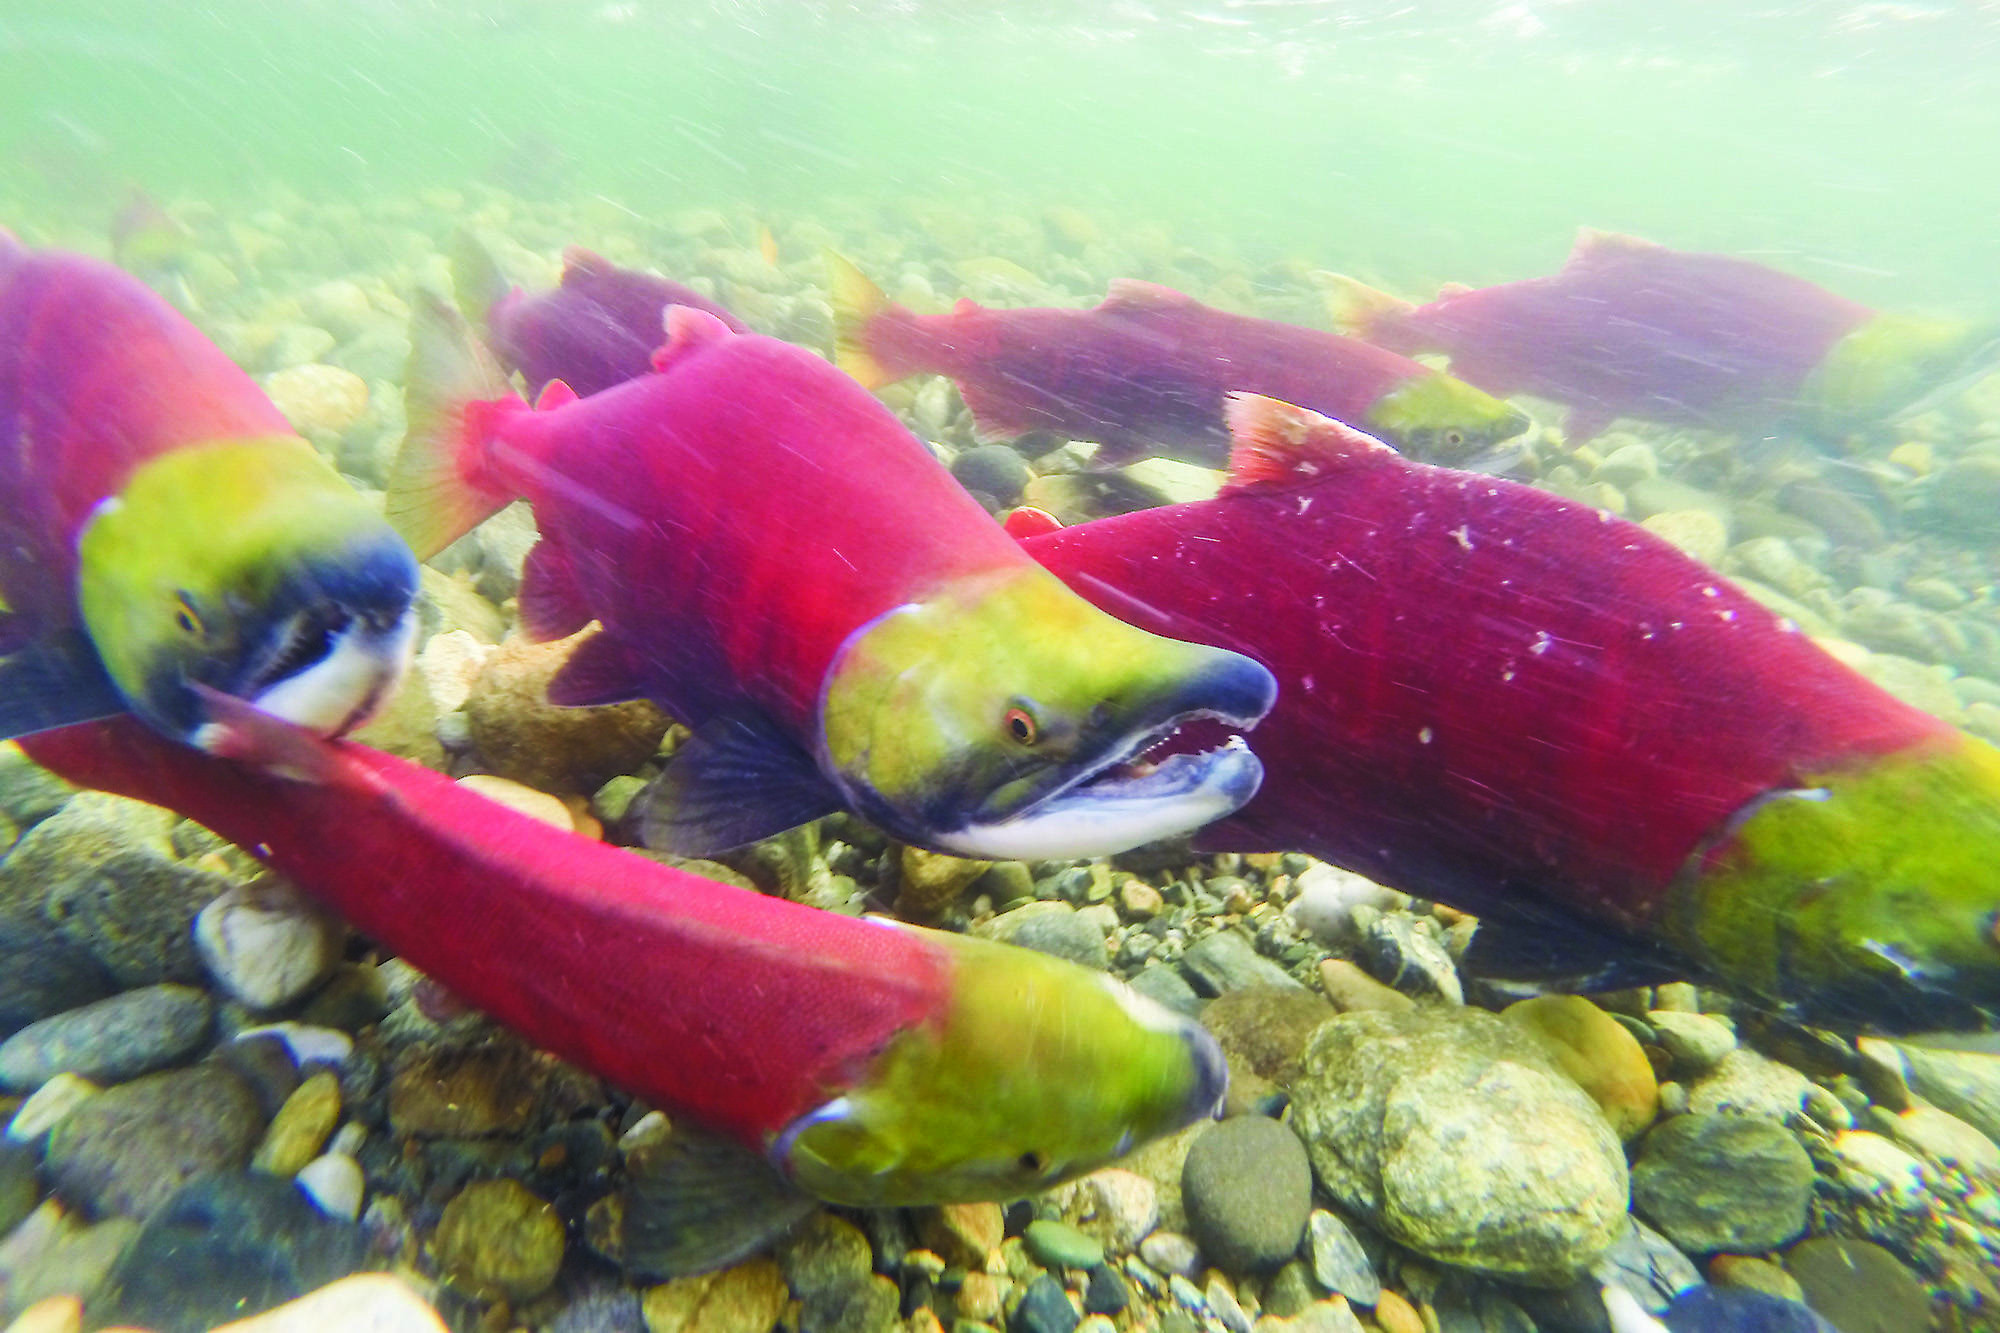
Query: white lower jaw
x=1108, y=818
x=338, y=692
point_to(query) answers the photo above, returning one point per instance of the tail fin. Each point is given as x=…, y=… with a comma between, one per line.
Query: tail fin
x=1355, y=308
x=436, y=490
x=857, y=303
x=476, y=277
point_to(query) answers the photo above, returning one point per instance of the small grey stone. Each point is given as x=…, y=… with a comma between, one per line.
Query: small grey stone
x=1400, y=952
x=1746, y=1083
x=19, y=1190
x=47, y=1106
x=1697, y=1042
x=1170, y=1252
x=127, y=1149
x=1227, y=960
x=45, y=973
x=1161, y=982
x=1050, y=928
x=1723, y=1182
x=266, y=943
x=1339, y=1262
x=109, y=1040
x=1044, y=1308
x=1222, y=1303
x=995, y=469
x=1105, y=1292
x=1960, y=1083
x=1248, y=1188
x=334, y=1182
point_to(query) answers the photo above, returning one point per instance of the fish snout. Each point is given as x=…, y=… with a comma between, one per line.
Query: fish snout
x=1211, y=1074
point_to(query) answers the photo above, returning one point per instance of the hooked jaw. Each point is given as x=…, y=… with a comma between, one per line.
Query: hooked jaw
x=1131, y=793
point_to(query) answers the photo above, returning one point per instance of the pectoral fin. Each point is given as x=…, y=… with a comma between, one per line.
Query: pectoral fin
x=1523, y=944
x=737, y=779
x=698, y=1202
x=52, y=682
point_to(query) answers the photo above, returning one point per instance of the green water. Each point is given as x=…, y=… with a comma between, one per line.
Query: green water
x=1462, y=140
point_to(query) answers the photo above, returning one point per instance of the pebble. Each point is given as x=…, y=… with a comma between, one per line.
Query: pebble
x=1593, y=1048
x=1248, y=1189
x=128, y=1149
x=1696, y=1042
x=335, y=1183
x=1873, y=1165
x=1746, y=1083
x=1723, y=1182
x=109, y=1040
x=1118, y=1207
x=1170, y=1252
x=225, y=1245
x=1227, y=960
x=45, y=973
x=1338, y=1261
x=1645, y=1263
x=1455, y=1134
x=322, y=402
x=49, y=1105
x=1697, y=532
x=1326, y=899
x=20, y=1190
x=57, y=1314
x=928, y=882
x=830, y=1269
x=1052, y=928
x=1164, y=983
x=1264, y=1028
x=363, y=1303
x=522, y=800
x=993, y=469
x=1044, y=1308
x=1748, y=1271
x=521, y=735
x=1960, y=1083
x=1105, y=1292
x=1222, y=1303
x=1350, y=988
x=747, y=1298
x=964, y=1233
x=1945, y=1137
x=308, y=1043
x=265, y=943
x=1058, y=1245
x=1402, y=950
x=300, y=1129
x=465, y=1092
x=1329, y=1316
x=78, y=1261
x=1397, y=1315
x=497, y=1238
x=1860, y=1284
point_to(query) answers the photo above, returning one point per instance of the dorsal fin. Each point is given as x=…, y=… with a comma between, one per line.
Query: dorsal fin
x=581, y=263
x=1138, y=294
x=1455, y=288
x=554, y=394
x=964, y=305
x=1594, y=244
x=687, y=329
x=1274, y=442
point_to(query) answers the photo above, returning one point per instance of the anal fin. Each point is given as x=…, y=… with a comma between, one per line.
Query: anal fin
x=601, y=670
x=1522, y=943
x=551, y=606
x=698, y=1202
x=52, y=682
x=737, y=779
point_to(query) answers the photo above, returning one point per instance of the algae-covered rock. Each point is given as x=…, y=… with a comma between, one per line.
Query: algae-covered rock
x=1456, y=1134
x=1594, y=1049
x=1723, y=1182
x=521, y=735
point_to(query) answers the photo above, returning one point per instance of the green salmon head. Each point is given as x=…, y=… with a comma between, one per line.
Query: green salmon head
x=1005, y=717
x=1895, y=364
x=1039, y=1071
x=1438, y=419
x=1867, y=899
x=246, y=570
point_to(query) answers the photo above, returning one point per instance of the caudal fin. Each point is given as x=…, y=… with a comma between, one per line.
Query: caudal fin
x=1356, y=309
x=857, y=305
x=476, y=278
x=436, y=492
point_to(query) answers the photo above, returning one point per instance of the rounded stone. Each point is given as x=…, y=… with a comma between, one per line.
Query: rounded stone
x=265, y=943
x=45, y=974
x=1593, y=1048
x=1338, y=1261
x=1859, y=1284
x=995, y=469
x=335, y=1183
x=322, y=402
x=1696, y=1042
x=1248, y=1189
x=128, y=1149
x=301, y=1127
x=521, y=735
x=109, y=1040
x=1699, y=533
x=1454, y=1133
x=1723, y=1182
x=1051, y=928
x=1058, y=1245
x=498, y=1239
x=1265, y=1028
x=1044, y=1308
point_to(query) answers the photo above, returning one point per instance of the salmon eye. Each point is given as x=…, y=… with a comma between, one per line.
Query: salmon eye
x=1021, y=726
x=185, y=615
x=1034, y=1163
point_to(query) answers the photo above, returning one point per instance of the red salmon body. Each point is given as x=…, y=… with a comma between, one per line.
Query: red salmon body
x=773, y=505
x=741, y=1011
x=1484, y=689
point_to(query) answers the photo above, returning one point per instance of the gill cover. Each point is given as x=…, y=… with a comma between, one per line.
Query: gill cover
x=1039, y=1070
x=246, y=567
x=1867, y=897
x=991, y=719
x=1892, y=364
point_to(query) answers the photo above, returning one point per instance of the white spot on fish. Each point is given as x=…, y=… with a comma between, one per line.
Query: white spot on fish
x=1541, y=643
x=1306, y=684
x=1305, y=503
x=1424, y=736
x=1727, y=614
x=1462, y=534
x=1711, y=591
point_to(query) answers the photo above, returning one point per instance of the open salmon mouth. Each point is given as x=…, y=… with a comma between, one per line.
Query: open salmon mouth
x=1191, y=768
